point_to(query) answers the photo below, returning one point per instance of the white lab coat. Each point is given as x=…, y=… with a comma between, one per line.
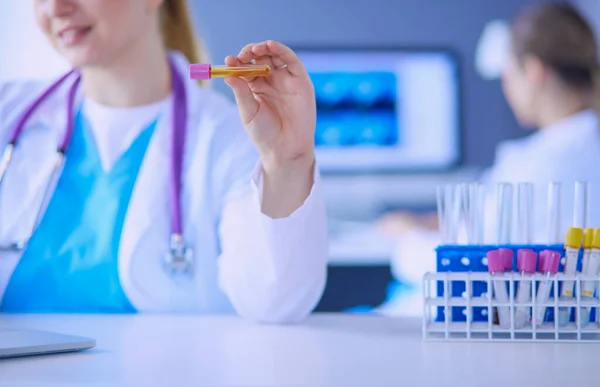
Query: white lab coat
x=270, y=270
x=565, y=152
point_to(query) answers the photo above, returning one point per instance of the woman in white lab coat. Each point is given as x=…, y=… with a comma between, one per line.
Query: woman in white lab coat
x=551, y=82
x=235, y=224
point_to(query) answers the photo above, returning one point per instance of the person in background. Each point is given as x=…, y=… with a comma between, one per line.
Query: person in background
x=552, y=82
x=230, y=221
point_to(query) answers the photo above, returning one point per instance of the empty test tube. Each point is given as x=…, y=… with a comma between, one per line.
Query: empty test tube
x=504, y=212
x=472, y=199
x=524, y=233
x=449, y=206
x=580, y=205
x=204, y=71
x=553, y=216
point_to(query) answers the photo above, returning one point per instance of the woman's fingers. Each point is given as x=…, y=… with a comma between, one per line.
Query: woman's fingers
x=247, y=104
x=274, y=54
x=233, y=61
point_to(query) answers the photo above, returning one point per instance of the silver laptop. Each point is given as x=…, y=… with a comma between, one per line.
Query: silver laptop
x=26, y=342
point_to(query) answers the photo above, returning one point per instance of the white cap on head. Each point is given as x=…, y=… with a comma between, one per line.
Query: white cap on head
x=492, y=49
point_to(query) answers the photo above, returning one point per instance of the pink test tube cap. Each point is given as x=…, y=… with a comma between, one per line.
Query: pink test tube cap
x=200, y=71
x=507, y=255
x=496, y=262
x=526, y=260
x=549, y=261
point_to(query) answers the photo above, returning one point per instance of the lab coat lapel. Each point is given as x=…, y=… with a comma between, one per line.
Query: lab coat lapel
x=146, y=215
x=28, y=174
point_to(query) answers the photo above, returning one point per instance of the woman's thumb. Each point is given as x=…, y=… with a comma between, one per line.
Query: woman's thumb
x=247, y=104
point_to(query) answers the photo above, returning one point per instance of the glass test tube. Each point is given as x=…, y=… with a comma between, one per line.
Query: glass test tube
x=504, y=212
x=470, y=211
x=477, y=200
x=524, y=213
x=448, y=206
x=580, y=205
x=553, y=216
x=453, y=207
x=203, y=71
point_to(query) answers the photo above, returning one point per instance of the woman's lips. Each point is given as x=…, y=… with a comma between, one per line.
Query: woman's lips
x=72, y=36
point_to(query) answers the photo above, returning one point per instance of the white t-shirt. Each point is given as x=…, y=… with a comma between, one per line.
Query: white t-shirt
x=114, y=128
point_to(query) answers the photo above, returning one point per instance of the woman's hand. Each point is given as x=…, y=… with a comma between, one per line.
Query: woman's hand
x=279, y=114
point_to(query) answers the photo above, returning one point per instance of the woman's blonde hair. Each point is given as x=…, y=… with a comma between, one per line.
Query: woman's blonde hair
x=178, y=32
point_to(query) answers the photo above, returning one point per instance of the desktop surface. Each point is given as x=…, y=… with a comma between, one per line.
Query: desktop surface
x=325, y=350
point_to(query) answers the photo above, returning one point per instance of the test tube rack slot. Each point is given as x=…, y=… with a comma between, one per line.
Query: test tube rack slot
x=457, y=304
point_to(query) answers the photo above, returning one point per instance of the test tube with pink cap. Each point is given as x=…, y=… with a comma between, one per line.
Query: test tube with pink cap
x=496, y=266
x=548, y=266
x=526, y=263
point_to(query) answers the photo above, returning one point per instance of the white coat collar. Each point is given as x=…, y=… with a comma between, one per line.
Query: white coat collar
x=575, y=126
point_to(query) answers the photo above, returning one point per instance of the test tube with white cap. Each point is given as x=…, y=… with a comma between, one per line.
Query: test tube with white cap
x=526, y=263
x=549, y=261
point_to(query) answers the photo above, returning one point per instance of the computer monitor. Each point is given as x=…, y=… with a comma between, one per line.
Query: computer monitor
x=384, y=110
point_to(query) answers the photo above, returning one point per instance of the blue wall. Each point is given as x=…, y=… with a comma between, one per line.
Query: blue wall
x=227, y=26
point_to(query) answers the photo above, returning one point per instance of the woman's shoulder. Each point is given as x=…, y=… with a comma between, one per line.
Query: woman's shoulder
x=17, y=91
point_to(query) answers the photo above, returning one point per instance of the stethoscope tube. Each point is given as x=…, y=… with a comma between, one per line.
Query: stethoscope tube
x=179, y=259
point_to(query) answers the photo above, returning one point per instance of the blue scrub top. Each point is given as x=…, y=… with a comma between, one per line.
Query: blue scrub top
x=71, y=261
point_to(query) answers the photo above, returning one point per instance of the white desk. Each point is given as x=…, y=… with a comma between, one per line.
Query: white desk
x=327, y=350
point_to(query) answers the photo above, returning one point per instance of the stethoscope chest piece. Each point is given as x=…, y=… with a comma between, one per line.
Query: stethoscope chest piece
x=180, y=258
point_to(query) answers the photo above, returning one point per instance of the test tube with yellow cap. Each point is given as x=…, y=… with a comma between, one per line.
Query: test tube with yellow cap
x=204, y=71
x=573, y=242
x=591, y=260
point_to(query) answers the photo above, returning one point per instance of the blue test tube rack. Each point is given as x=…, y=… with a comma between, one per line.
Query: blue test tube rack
x=472, y=258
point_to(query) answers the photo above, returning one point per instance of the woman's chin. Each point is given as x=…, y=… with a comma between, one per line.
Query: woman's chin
x=79, y=58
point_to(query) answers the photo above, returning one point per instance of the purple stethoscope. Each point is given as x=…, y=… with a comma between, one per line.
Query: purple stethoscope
x=179, y=259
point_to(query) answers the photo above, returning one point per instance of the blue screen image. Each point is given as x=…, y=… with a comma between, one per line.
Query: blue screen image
x=356, y=108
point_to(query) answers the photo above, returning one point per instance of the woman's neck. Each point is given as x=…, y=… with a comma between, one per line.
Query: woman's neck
x=557, y=109
x=139, y=78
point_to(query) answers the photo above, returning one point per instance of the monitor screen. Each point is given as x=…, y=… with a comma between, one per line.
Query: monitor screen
x=385, y=110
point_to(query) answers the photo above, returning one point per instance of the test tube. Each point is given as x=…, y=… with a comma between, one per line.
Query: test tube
x=204, y=71
x=589, y=267
x=592, y=266
x=549, y=261
x=524, y=213
x=504, y=211
x=580, y=204
x=526, y=263
x=441, y=213
x=471, y=196
x=496, y=267
x=477, y=202
x=573, y=242
x=553, y=219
